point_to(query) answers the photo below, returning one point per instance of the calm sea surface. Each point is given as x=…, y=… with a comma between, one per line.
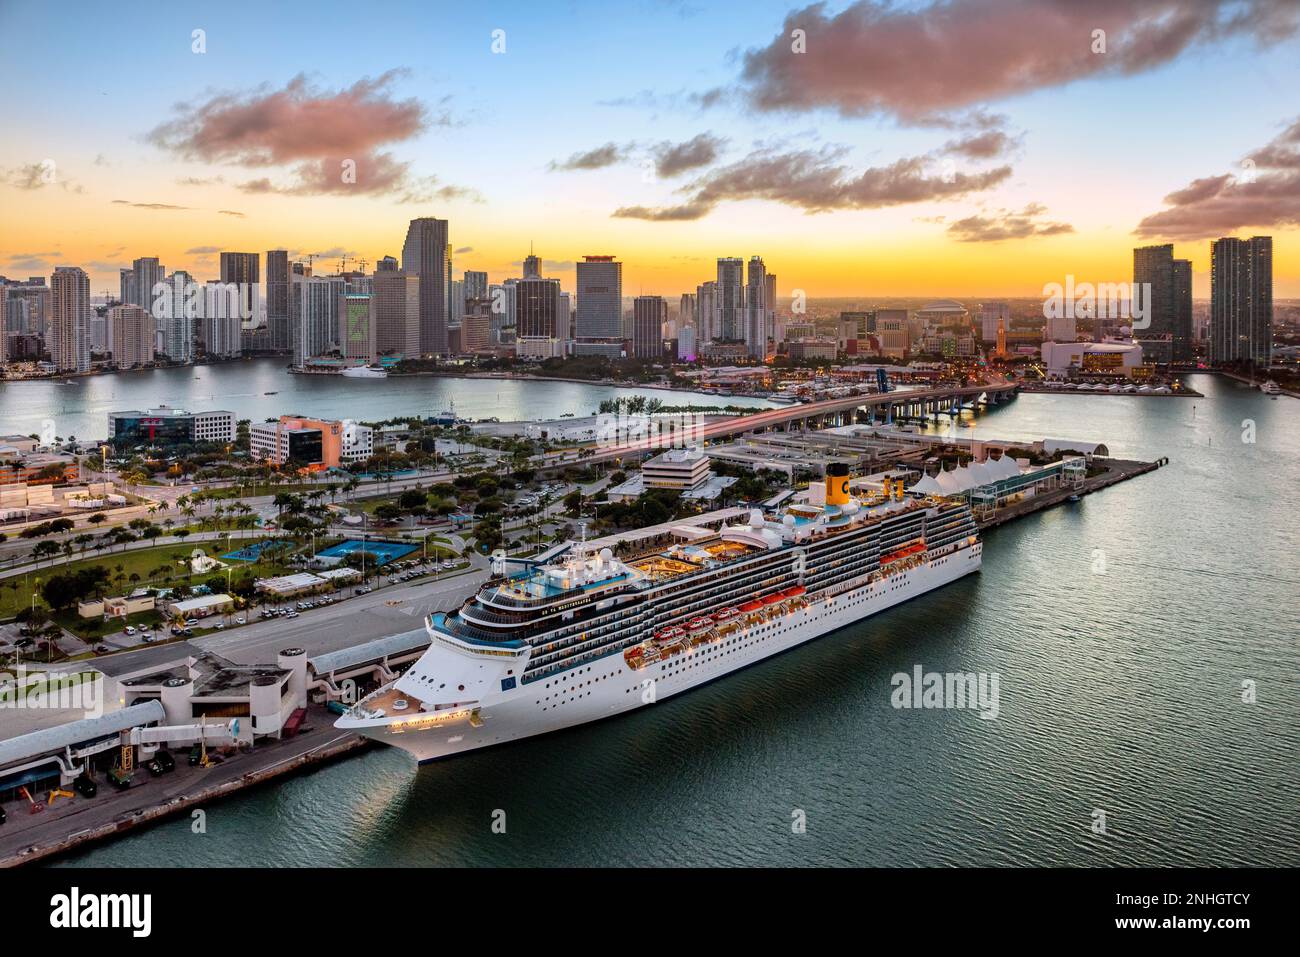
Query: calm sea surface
x=261, y=388
x=1121, y=629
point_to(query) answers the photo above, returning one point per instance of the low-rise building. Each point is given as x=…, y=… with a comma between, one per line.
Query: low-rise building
x=167, y=426
x=310, y=443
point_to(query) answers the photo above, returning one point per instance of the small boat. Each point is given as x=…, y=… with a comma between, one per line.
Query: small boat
x=270, y=393
x=1270, y=388
x=1073, y=498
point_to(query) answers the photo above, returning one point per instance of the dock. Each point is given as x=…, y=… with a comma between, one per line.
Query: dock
x=1118, y=470
x=74, y=823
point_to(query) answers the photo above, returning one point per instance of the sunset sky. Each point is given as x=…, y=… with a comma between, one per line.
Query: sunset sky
x=958, y=149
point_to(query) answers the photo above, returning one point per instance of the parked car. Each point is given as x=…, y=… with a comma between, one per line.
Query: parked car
x=84, y=786
x=165, y=760
x=154, y=768
x=129, y=630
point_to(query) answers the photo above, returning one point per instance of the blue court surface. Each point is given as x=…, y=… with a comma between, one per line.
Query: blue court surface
x=250, y=553
x=387, y=551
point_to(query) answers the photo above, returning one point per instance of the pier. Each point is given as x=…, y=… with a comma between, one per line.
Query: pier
x=72, y=823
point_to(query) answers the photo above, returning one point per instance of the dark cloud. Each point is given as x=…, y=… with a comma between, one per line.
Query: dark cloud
x=1265, y=193
x=597, y=158
x=817, y=182
x=672, y=159
x=201, y=250
x=1006, y=224
x=920, y=62
x=230, y=212
x=464, y=249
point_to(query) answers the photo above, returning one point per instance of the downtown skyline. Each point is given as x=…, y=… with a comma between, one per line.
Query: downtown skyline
x=977, y=182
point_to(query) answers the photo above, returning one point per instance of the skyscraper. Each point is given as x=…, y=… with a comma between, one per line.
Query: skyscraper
x=314, y=316
x=706, y=312
x=242, y=268
x=176, y=311
x=356, y=336
x=1241, y=300
x=425, y=254
x=131, y=336
x=756, y=311
x=649, y=313
x=1153, y=269
x=599, y=319
x=537, y=308
x=146, y=273
x=68, y=338
x=532, y=267
x=730, y=302
x=1183, y=332
x=277, y=298
x=476, y=285
x=991, y=313
x=395, y=301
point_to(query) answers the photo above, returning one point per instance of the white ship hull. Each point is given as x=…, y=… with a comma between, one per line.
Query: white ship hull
x=609, y=686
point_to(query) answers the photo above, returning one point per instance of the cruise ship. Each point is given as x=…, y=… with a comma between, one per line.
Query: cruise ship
x=583, y=634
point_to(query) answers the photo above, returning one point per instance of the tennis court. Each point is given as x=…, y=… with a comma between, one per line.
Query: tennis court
x=386, y=551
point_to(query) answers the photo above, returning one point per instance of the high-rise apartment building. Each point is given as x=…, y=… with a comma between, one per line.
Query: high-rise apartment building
x=730, y=303
x=426, y=254
x=1167, y=337
x=314, y=316
x=1241, y=300
x=706, y=312
x=68, y=338
x=176, y=310
x=1184, y=335
x=146, y=273
x=243, y=269
x=756, y=312
x=277, y=298
x=476, y=285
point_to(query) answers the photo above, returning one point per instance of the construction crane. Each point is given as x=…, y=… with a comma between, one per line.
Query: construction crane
x=343, y=265
x=57, y=793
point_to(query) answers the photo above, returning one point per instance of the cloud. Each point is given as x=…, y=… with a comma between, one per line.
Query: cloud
x=552, y=265
x=597, y=158
x=664, y=214
x=672, y=159
x=32, y=176
x=200, y=180
x=230, y=212
x=32, y=267
x=816, y=183
x=463, y=249
x=102, y=160
x=53, y=255
x=330, y=142
x=989, y=144
x=201, y=250
x=1265, y=193
x=915, y=63
x=1006, y=224
x=164, y=207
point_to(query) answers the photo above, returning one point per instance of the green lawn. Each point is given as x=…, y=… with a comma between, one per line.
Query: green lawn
x=146, y=564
